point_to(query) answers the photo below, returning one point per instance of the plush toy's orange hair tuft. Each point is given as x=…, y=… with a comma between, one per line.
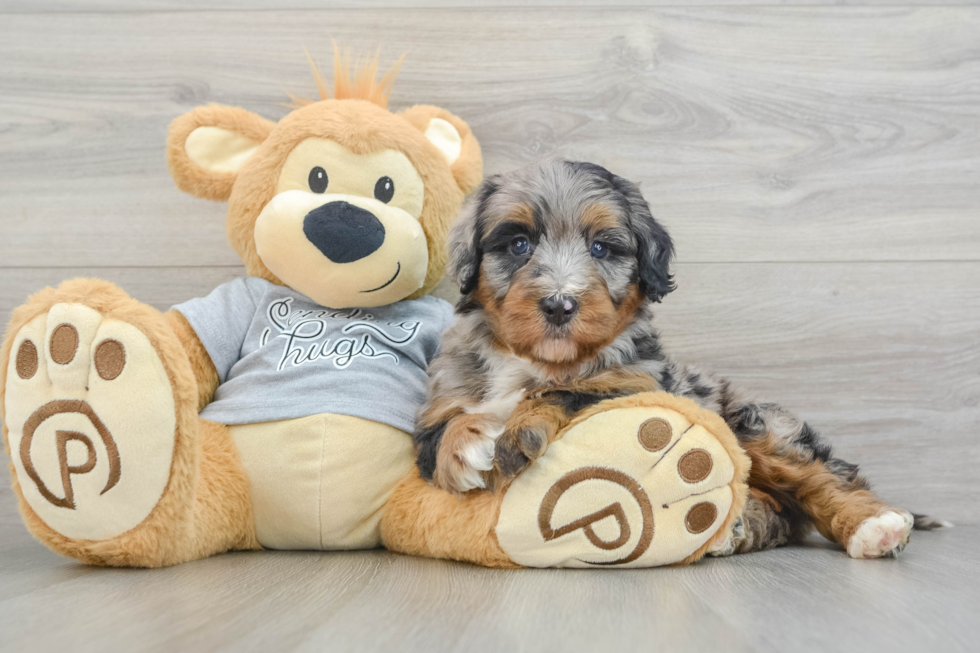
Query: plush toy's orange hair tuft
x=362, y=84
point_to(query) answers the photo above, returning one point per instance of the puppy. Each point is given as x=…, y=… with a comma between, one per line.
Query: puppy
x=560, y=265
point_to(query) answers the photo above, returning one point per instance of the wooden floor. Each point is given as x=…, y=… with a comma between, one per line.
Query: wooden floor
x=818, y=163
x=797, y=600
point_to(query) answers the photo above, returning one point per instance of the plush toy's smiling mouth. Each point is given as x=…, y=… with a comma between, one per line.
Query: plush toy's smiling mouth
x=389, y=281
x=299, y=243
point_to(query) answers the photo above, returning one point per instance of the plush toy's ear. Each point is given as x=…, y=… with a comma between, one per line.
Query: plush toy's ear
x=206, y=147
x=453, y=138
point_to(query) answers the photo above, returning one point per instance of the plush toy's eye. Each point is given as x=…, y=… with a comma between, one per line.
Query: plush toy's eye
x=384, y=190
x=318, y=180
x=519, y=246
x=599, y=250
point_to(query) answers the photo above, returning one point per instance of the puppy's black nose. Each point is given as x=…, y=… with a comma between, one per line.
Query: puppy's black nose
x=558, y=309
x=343, y=232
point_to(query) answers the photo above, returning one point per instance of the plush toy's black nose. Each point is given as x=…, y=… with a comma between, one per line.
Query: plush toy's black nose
x=558, y=310
x=343, y=232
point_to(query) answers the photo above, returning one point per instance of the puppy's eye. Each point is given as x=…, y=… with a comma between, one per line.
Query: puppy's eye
x=520, y=246
x=384, y=190
x=599, y=250
x=318, y=180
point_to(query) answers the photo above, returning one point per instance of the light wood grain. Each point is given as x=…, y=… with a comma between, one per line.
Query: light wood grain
x=797, y=599
x=817, y=166
x=33, y=6
x=158, y=287
x=881, y=357
x=759, y=134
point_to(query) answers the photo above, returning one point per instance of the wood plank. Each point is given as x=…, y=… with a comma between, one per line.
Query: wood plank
x=810, y=598
x=158, y=287
x=881, y=357
x=760, y=134
x=828, y=134
x=74, y=6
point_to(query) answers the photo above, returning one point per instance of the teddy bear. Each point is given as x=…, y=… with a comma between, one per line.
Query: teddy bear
x=276, y=411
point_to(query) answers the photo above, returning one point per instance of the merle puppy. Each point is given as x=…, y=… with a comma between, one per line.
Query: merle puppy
x=560, y=265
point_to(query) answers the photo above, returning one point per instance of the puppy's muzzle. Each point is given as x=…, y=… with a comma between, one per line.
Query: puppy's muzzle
x=343, y=232
x=558, y=309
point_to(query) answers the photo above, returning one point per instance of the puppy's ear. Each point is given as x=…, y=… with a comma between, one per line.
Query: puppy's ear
x=465, y=253
x=207, y=146
x=655, y=249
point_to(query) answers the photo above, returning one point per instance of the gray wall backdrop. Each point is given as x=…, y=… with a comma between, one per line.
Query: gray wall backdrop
x=818, y=164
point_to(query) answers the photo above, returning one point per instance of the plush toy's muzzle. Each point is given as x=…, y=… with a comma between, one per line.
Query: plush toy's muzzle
x=342, y=250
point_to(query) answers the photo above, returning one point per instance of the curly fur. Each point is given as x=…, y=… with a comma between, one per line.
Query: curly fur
x=502, y=354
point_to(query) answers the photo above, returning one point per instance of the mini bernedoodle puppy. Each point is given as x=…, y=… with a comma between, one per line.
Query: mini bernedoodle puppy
x=560, y=265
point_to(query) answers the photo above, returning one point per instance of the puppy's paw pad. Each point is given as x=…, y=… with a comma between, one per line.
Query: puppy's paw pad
x=91, y=417
x=884, y=535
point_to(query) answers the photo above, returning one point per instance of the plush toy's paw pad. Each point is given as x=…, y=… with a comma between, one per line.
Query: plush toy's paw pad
x=884, y=535
x=633, y=487
x=90, y=412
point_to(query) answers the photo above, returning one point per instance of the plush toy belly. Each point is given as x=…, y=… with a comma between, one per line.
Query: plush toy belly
x=321, y=482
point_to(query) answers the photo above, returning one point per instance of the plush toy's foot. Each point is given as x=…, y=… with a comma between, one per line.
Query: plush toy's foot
x=644, y=481
x=100, y=417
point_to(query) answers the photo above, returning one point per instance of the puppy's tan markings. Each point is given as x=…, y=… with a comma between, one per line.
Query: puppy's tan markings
x=597, y=217
x=524, y=214
x=838, y=508
x=517, y=319
x=600, y=321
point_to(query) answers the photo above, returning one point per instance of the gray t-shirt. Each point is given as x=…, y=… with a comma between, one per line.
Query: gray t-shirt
x=279, y=355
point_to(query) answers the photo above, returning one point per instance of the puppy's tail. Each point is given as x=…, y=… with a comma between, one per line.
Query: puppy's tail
x=927, y=523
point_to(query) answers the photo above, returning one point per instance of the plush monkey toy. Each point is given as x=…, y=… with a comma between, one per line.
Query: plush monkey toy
x=255, y=416
x=276, y=411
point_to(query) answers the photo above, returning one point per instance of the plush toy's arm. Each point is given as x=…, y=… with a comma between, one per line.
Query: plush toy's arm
x=204, y=370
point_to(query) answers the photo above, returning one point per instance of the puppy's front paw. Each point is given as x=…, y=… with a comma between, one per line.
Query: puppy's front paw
x=884, y=535
x=516, y=449
x=466, y=453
